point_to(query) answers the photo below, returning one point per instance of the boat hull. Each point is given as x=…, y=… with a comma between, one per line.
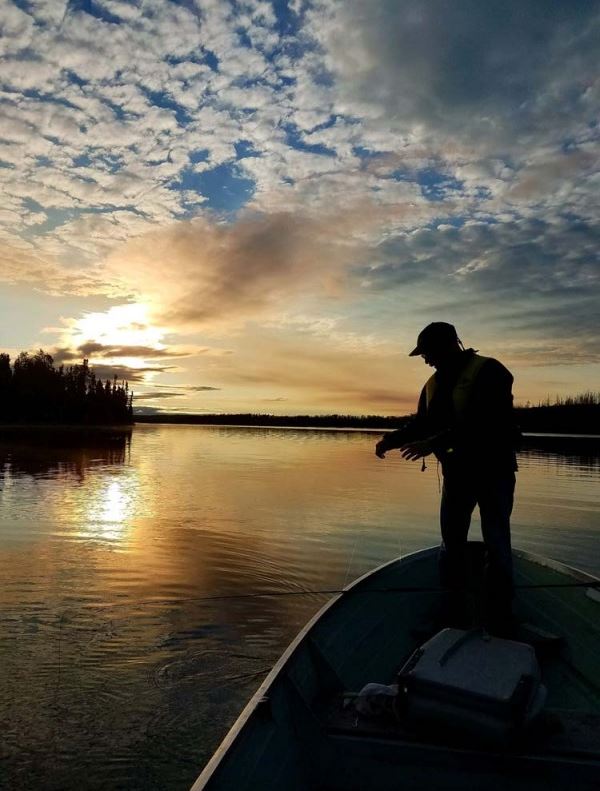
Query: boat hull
x=286, y=737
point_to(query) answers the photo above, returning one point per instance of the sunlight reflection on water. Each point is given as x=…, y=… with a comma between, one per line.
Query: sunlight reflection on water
x=118, y=672
x=114, y=503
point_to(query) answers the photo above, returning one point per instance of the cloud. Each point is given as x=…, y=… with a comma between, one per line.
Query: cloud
x=528, y=257
x=171, y=392
x=206, y=273
x=95, y=349
x=200, y=273
x=339, y=372
x=20, y=262
x=255, y=162
x=102, y=371
x=127, y=372
x=153, y=396
x=532, y=278
x=146, y=410
x=484, y=72
x=109, y=146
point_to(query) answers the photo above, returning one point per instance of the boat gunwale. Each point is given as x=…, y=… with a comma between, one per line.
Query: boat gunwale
x=237, y=727
x=556, y=565
x=278, y=667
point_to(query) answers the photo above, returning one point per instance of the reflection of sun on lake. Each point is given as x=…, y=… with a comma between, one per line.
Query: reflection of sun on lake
x=111, y=507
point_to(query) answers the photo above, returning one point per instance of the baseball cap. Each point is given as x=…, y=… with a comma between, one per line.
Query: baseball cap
x=438, y=333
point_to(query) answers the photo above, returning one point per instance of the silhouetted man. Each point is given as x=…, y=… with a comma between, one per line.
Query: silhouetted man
x=465, y=417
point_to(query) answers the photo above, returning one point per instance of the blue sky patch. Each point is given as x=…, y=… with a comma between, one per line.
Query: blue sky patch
x=112, y=162
x=91, y=8
x=32, y=205
x=244, y=148
x=165, y=102
x=224, y=189
x=435, y=185
x=288, y=23
x=48, y=98
x=200, y=155
x=295, y=139
x=54, y=219
x=211, y=60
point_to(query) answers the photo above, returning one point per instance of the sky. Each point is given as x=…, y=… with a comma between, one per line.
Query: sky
x=256, y=206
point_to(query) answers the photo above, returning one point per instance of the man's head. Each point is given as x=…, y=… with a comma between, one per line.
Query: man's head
x=436, y=343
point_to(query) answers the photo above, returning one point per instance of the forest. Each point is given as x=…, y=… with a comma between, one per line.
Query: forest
x=33, y=390
x=287, y=421
x=579, y=414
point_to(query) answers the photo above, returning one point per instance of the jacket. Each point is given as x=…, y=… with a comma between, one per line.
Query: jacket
x=466, y=411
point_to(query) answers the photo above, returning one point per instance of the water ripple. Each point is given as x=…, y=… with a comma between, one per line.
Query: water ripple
x=131, y=636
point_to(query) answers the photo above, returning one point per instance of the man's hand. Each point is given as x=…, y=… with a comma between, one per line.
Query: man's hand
x=416, y=450
x=381, y=449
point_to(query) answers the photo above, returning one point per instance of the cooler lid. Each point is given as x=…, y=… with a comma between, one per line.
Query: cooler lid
x=472, y=662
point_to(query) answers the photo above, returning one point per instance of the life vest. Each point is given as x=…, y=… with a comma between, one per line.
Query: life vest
x=463, y=388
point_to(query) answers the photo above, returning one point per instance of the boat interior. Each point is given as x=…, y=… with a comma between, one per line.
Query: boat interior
x=303, y=734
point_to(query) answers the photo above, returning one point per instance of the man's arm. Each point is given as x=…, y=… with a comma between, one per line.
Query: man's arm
x=411, y=431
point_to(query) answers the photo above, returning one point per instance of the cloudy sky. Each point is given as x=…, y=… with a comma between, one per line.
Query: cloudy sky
x=256, y=206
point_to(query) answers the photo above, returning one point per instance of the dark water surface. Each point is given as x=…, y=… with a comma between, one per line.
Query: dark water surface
x=117, y=671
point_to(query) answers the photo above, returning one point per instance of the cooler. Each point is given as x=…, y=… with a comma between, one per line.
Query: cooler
x=467, y=682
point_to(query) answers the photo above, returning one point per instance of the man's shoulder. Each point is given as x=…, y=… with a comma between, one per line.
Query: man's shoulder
x=493, y=368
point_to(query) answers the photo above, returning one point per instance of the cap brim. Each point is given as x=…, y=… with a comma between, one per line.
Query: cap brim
x=415, y=352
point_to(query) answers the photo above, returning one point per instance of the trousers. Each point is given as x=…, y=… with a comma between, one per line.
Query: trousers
x=493, y=492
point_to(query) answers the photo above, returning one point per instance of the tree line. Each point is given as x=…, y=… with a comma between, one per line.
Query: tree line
x=287, y=421
x=33, y=390
x=578, y=414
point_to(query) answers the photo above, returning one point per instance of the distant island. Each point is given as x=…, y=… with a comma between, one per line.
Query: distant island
x=35, y=392
x=578, y=414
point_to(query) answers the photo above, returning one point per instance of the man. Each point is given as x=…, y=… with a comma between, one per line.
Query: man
x=465, y=417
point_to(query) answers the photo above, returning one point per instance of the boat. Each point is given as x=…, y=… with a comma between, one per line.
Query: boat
x=296, y=735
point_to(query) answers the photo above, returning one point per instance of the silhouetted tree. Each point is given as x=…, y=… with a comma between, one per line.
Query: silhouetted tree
x=5, y=385
x=578, y=414
x=34, y=391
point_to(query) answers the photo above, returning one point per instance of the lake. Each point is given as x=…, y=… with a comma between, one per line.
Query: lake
x=132, y=629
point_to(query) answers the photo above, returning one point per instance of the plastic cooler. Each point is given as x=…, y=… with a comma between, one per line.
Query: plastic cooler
x=474, y=684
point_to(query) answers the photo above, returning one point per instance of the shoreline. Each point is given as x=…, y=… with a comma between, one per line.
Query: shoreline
x=356, y=429
x=82, y=428
x=121, y=427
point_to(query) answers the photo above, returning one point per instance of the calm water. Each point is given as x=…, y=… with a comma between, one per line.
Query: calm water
x=117, y=671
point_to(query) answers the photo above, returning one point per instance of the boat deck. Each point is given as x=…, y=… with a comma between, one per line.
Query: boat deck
x=295, y=735
x=562, y=750
x=558, y=732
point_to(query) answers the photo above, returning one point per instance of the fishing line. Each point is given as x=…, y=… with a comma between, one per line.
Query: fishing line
x=335, y=591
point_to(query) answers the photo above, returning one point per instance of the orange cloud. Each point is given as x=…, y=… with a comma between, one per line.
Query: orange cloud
x=203, y=274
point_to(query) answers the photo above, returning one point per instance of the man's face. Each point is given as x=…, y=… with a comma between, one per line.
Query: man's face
x=437, y=355
x=432, y=358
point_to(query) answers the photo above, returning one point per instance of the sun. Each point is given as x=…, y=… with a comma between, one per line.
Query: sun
x=119, y=328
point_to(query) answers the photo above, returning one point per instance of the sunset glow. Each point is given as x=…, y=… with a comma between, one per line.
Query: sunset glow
x=120, y=326
x=256, y=206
